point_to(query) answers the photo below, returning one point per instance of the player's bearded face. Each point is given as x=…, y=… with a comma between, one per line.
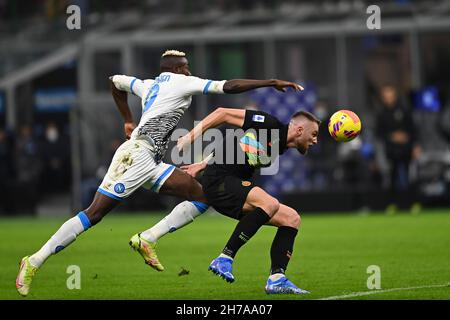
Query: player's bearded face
x=301, y=142
x=302, y=148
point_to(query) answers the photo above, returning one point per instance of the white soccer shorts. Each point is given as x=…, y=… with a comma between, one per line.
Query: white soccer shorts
x=133, y=166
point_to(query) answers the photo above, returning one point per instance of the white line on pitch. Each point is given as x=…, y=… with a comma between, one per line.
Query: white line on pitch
x=366, y=293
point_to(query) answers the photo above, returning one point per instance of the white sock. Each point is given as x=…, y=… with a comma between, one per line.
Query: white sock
x=276, y=276
x=65, y=235
x=183, y=214
x=223, y=255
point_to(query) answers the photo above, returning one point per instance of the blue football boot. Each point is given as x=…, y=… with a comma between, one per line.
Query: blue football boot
x=223, y=267
x=283, y=285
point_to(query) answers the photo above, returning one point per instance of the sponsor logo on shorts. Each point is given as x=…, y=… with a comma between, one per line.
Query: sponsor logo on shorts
x=119, y=188
x=246, y=183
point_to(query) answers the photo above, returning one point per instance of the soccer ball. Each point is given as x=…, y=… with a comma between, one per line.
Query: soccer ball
x=344, y=125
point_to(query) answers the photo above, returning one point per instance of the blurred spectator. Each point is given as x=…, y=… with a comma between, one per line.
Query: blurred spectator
x=90, y=185
x=3, y=4
x=322, y=158
x=6, y=173
x=28, y=168
x=55, y=8
x=396, y=130
x=4, y=155
x=444, y=123
x=368, y=153
x=55, y=152
x=357, y=166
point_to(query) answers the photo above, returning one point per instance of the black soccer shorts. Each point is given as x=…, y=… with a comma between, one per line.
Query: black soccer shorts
x=226, y=193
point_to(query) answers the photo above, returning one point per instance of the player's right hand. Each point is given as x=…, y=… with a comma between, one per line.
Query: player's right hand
x=183, y=143
x=129, y=127
x=282, y=85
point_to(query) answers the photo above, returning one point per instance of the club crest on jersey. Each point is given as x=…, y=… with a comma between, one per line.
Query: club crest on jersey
x=258, y=118
x=119, y=188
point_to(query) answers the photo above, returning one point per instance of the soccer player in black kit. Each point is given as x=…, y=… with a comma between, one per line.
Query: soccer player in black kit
x=228, y=186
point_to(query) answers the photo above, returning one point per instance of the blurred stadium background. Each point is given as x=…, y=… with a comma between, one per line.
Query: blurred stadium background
x=59, y=126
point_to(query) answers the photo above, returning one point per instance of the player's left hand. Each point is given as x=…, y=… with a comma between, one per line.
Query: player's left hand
x=129, y=127
x=282, y=85
x=193, y=169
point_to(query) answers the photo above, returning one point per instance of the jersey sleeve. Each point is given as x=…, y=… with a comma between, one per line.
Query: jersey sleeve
x=260, y=120
x=129, y=84
x=194, y=85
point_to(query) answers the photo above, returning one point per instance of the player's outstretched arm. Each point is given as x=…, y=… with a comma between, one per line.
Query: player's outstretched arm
x=242, y=85
x=234, y=117
x=120, y=98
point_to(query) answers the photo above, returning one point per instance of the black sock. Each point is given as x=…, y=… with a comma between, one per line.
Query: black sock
x=245, y=229
x=281, y=249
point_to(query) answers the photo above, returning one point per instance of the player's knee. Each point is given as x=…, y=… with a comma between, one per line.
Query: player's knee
x=190, y=196
x=294, y=219
x=290, y=217
x=195, y=195
x=271, y=206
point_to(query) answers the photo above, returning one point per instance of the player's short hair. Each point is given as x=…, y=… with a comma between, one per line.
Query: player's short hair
x=307, y=115
x=173, y=53
x=171, y=59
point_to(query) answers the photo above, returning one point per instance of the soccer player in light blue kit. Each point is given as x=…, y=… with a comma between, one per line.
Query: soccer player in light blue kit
x=138, y=161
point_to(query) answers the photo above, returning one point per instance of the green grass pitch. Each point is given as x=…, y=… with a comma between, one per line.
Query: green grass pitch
x=331, y=257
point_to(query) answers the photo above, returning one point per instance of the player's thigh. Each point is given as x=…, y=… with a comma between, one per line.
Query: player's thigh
x=286, y=216
x=182, y=185
x=131, y=167
x=226, y=194
x=258, y=198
